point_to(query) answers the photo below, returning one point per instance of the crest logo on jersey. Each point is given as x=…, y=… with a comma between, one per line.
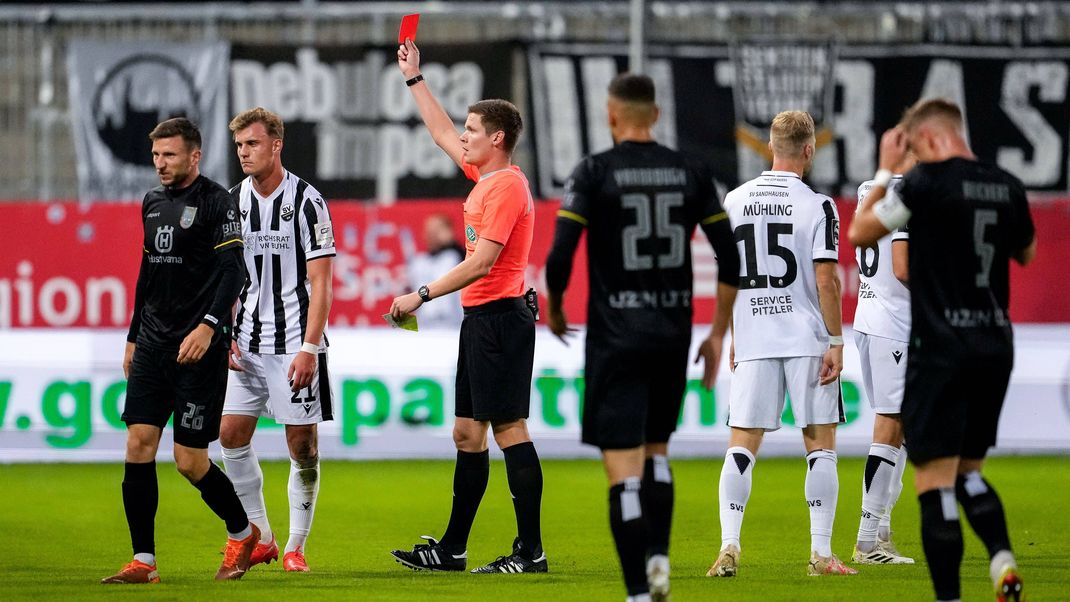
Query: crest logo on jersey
x=287, y=213
x=897, y=355
x=187, y=217
x=470, y=233
x=230, y=214
x=165, y=238
x=244, y=213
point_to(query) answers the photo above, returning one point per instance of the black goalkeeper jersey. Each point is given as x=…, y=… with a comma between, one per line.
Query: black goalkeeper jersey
x=640, y=203
x=967, y=220
x=184, y=231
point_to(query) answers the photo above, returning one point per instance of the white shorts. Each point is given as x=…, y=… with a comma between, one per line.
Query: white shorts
x=264, y=390
x=884, y=371
x=756, y=399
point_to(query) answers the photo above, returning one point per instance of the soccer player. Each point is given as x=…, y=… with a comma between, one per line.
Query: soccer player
x=279, y=351
x=176, y=350
x=882, y=328
x=786, y=337
x=497, y=341
x=967, y=220
x=640, y=203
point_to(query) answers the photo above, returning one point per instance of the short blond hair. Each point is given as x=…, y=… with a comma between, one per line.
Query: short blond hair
x=272, y=122
x=790, y=132
x=932, y=108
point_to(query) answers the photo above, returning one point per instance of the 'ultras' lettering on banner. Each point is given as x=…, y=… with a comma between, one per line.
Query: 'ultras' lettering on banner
x=352, y=125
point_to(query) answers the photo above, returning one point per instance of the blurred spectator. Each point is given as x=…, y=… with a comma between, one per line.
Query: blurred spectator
x=443, y=252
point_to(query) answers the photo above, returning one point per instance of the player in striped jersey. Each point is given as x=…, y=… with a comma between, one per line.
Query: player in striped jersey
x=882, y=329
x=279, y=354
x=786, y=337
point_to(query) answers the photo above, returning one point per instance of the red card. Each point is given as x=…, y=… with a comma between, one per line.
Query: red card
x=408, y=27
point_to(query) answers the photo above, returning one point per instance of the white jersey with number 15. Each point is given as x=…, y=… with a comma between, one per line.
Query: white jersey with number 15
x=782, y=227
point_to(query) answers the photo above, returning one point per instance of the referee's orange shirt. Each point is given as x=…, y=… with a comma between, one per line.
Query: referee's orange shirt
x=499, y=208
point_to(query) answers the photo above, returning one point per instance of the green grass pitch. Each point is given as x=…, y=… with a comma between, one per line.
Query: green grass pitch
x=62, y=529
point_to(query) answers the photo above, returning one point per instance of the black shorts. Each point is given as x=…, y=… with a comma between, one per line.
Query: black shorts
x=497, y=349
x=159, y=387
x=632, y=397
x=951, y=406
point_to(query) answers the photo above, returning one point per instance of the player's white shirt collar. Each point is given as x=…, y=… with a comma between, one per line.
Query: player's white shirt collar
x=781, y=174
x=282, y=184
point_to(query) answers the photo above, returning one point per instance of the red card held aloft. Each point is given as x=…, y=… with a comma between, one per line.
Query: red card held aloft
x=408, y=28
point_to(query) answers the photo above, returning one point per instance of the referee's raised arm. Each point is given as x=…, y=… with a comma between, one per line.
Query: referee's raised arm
x=436, y=119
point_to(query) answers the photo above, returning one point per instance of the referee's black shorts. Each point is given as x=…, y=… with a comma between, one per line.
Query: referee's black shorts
x=497, y=349
x=951, y=406
x=159, y=386
x=632, y=397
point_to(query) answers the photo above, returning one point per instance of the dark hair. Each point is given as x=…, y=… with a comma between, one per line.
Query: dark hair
x=178, y=126
x=632, y=87
x=500, y=116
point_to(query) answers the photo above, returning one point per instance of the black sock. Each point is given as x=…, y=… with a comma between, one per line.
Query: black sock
x=984, y=511
x=141, y=497
x=657, y=495
x=630, y=533
x=218, y=492
x=525, y=483
x=941, y=537
x=470, y=476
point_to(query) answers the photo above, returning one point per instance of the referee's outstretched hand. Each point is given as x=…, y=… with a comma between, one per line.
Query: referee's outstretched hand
x=195, y=344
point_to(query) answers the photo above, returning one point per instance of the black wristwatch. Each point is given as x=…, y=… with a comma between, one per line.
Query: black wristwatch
x=424, y=293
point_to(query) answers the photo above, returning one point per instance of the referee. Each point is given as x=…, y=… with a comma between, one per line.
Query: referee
x=497, y=342
x=176, y=350
x=636, y=352
x=967, y=220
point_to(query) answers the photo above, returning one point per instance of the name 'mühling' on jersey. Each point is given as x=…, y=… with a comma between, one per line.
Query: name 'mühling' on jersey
x=883, y=301
x=184, y=231
x=640, y=203
x=967, y=219
x=282, y=232
x=782, y=227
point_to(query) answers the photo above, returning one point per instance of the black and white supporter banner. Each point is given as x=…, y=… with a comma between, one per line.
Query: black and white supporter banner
x=119, y=91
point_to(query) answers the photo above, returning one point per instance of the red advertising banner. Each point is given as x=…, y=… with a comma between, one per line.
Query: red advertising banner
x=71, y=265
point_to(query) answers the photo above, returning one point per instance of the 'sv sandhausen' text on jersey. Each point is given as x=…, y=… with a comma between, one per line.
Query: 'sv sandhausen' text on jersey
x=883, y=301
x=282, y=232
x=967, y=219
x=640, y=203
x=184, y=231
x=782, y=227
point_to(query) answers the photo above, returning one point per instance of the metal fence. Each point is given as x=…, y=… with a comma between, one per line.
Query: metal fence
x=37, y=159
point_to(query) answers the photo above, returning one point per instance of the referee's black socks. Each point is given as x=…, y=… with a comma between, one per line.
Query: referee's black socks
x=470, y=476
x=630, y=533
x=941, y=537
x=657, y=494
x=984, y=511
x=218, y=492
x=141, y=497
x=525, y=484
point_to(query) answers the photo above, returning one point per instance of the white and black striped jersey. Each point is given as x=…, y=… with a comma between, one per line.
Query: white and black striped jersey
x=282, y=232
x=883, y=301
x=782, y=227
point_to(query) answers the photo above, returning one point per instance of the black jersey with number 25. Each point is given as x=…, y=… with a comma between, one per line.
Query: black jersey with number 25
x=967, y=220
x=184, y=230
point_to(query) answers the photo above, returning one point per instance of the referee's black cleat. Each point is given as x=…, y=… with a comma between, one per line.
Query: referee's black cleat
x=517, y=562
x=431, y=556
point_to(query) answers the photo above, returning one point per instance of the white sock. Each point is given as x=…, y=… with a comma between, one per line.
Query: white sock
x=149, y=559
x=876, y=486
x=638, y=598
x=733, y=492
x=303, y=487
x=999, y=562
x=895, y=487
x=822, y=487
x=243, y=469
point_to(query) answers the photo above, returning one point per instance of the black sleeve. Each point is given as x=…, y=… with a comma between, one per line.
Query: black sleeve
x=714, y=222
x=226, y=229
x=1022, y=229
x=910, y=186
x=572, y=218
x=230, y=268
x=139, y=300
